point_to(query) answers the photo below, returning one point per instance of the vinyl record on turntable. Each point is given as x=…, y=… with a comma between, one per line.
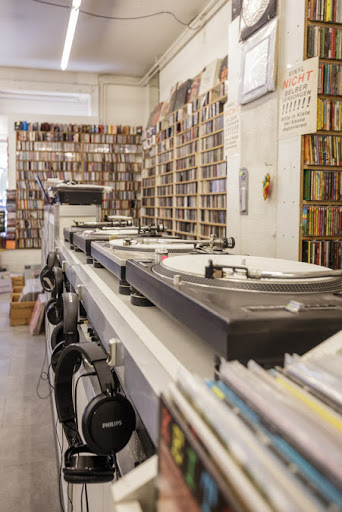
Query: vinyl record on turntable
x=245, y=307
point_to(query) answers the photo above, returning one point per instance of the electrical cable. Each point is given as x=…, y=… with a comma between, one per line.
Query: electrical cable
x=44, y=376
x=119, y=18
x=82, y=497
x=86, y=495
x=60, y=468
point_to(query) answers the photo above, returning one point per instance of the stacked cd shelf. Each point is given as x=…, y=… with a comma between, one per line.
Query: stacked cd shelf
x=186, y=170
x=47, y=151
x=190, y=178
x=213, y=166
x=321, y=201
x=148, y=183
x=92, y=154
x=114, y=159
x=164, y=174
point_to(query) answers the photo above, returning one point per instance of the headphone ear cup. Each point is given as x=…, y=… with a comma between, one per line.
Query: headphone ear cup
x=108, y=423
x=47, y=279
x=54, y=311
x=56, y=353
x=57, y=335
x=84, y=467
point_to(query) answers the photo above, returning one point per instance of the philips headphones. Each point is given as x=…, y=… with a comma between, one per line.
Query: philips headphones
x=65, y=332
x=107, y=424
x=54, y=307
x=47, y=277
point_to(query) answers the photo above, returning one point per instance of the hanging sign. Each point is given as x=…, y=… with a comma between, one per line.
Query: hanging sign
x=298, y=99
x=232, y=115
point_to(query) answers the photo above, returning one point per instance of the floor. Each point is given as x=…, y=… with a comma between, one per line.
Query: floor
x=28, y=470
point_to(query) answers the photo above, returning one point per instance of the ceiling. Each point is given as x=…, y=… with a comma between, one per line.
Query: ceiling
x=33, y=34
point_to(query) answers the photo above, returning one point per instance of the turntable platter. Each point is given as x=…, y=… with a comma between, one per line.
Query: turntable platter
x=252, y=273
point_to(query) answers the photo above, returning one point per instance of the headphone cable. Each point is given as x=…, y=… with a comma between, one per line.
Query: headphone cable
x=44, y=376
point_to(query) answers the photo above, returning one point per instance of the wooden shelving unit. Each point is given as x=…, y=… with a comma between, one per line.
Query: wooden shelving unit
x=321, y=186
x=115, y=160
x=91, y=154
x=191, y=173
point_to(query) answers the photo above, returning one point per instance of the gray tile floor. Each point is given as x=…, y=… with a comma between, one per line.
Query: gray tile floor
x=28, y=470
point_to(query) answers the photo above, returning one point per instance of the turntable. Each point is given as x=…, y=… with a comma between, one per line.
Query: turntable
x=245, y=307
x=82, y=240
x=114, y=221
x=113, y=254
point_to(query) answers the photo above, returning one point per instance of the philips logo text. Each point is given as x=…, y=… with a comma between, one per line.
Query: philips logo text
x=111, y=424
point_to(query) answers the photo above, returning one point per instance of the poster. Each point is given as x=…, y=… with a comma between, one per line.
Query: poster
x=232, y=115
x=298, y=99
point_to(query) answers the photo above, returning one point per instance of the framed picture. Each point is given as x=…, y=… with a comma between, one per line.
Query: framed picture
x=259, y=56
x=254, y=14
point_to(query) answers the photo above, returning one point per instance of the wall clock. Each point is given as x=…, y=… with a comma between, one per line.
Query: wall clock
x=254, y=14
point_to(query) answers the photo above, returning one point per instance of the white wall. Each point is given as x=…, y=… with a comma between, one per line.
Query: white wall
x=210, y=43
x=271, y=228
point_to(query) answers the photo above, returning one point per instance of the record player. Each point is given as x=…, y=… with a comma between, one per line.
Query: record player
x=82, y=240
x=114, y=221
x=245, y=307
x=113, y=254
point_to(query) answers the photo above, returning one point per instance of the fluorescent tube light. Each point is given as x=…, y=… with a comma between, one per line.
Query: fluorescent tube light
x=75, y=9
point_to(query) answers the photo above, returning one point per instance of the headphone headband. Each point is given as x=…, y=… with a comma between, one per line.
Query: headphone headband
x=96, y=356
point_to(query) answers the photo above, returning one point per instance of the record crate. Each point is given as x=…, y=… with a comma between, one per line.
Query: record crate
x=20, y=312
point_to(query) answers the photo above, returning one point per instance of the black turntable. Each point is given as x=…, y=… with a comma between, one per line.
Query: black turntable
x=113, y=254
x=245, y=307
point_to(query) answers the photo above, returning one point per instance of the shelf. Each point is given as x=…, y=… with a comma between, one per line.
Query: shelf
x=328, y=61
x=211, y=194
x=324, y=24
x=185, y=233
x=211, y=149
x=323, y=167
x=186, y=207
x=214, y=178
x=186, y=195
x=212, y=133
x=329, y=96
x=212, y=163
x=214, y=209
x=186, y=143
x=188, y=129
x=316, y=237
x=328, y=132
x=211, y=118
x=165, y=163
x=186, y=156
x=212, y=224
x=185, y=182
x=186, y=168
x=165, y=151
x=185, y=220
x=318, y=202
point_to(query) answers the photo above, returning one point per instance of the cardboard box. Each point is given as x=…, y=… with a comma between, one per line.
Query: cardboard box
x=20, y=312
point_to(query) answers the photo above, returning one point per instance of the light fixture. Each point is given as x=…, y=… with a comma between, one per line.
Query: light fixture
x=75, y=9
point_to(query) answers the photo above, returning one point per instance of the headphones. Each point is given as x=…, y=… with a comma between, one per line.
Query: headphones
x=54, y=307
x=107, y=424
x=47, y=277
x=65, y=332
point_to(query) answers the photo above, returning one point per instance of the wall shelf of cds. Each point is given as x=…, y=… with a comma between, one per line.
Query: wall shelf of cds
x=94, y=154
x=184, y=171
x=321, y=197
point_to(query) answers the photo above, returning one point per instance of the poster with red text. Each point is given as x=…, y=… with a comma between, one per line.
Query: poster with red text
x=298, y=99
